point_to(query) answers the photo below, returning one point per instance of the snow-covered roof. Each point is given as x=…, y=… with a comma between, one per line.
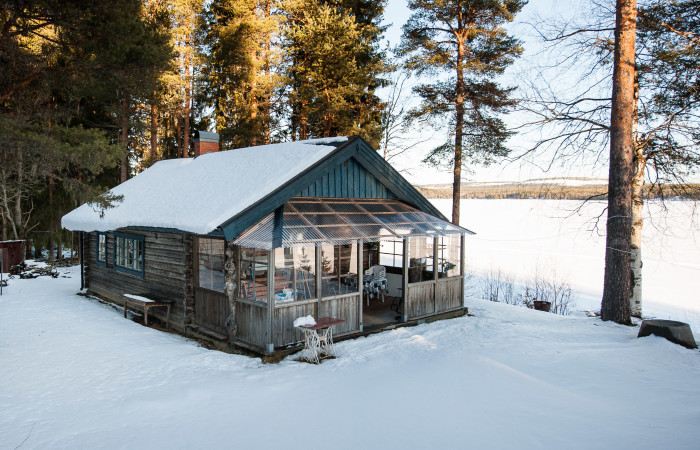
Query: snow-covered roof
x=199, y=194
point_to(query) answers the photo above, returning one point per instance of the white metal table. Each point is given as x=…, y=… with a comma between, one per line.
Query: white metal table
x=318, y=339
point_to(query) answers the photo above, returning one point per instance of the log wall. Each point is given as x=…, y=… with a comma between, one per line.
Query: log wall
x=166, y=272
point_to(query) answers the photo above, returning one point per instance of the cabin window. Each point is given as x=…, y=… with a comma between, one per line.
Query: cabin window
x=295, y=274
x=129, y=253
x=339, y=269
x=391, y=253
x=211, y=264
x=253, y=274
x=449, y=256
x=101, y=248
x=420, y=259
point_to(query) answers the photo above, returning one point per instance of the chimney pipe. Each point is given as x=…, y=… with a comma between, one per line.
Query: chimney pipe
x=205, y=142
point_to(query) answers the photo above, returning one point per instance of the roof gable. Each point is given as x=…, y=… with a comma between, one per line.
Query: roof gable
x=349, y=179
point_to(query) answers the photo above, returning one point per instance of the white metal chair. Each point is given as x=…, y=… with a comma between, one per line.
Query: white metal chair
x=374, y=272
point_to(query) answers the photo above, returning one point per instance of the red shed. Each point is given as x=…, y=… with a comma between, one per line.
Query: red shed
x=11, y=253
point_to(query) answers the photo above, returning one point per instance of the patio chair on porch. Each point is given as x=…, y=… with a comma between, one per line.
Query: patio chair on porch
x=375, y=282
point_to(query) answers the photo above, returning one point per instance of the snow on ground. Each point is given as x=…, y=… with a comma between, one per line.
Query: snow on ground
x=75, y=374
x=522, y=237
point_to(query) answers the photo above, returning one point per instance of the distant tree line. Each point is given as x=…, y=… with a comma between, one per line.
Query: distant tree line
x=559, y=192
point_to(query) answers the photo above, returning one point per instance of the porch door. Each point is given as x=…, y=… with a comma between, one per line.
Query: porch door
x=211, y=308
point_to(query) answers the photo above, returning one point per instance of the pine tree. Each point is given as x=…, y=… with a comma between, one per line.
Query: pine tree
x=666, y=88
x=462, y=46
x=241, y=36
x=66, y=68
x=617, y=288
x=334, y=67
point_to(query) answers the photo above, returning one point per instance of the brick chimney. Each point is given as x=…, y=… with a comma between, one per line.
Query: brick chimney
x=205, y=142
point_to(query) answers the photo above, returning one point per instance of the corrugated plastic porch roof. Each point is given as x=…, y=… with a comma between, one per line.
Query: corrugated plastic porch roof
x=337, y=221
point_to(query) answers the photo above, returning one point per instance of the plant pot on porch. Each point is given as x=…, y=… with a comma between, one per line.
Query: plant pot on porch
x=542, y=306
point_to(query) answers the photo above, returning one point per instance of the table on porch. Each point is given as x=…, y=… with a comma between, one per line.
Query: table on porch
x=319, y=338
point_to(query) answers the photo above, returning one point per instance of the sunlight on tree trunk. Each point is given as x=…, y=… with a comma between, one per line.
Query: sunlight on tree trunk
x=617, y=288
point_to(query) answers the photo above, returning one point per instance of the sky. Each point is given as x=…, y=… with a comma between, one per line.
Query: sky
x=396, y=14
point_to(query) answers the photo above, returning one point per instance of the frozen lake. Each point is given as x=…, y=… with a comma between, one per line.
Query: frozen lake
x=522, y=237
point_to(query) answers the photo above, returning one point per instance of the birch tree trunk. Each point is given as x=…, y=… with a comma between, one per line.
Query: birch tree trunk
x=636, y=241
x=230, y=277
x=459, y=123
x=617, y=288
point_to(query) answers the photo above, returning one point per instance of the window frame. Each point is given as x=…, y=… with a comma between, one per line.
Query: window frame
x=101, y=262
x=142, y=242
x=396, y=257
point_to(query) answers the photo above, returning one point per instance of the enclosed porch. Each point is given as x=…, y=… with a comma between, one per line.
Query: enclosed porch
x=311, y=257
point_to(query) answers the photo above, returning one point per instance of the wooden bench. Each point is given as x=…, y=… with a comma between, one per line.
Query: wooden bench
x=147, y=301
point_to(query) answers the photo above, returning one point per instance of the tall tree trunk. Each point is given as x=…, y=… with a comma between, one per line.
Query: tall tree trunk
x=16, y=221
x=154, y=132
x=254, y=105
x=124, y=138
x=180, y=147
x=636, y=241
x=268, y=74
x=617, y=287
x=459, y=123
x=188, y=101
x=125, y=160
x=51, y=227
x=637, y=209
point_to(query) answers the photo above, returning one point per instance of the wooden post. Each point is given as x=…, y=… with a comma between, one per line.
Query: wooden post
x=404, y=283
x=319, y=280
x=436, y=255
x=81, y=251
x=360, y=264
x=270, y=299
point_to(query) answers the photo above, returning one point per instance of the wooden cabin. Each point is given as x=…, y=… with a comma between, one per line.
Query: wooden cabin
x=245, y=241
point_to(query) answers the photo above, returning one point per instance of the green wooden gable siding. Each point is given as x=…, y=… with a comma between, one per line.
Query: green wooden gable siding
x=347, y=180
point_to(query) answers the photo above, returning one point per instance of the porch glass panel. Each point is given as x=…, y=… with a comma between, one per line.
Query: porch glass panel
x=339, y=267
x=449, y=256
x=211, y=264
x=295, y=274
x=253, y=274
x=420, y=259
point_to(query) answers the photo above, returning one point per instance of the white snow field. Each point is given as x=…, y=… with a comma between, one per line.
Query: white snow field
x=522, y=237
x=74, y=374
